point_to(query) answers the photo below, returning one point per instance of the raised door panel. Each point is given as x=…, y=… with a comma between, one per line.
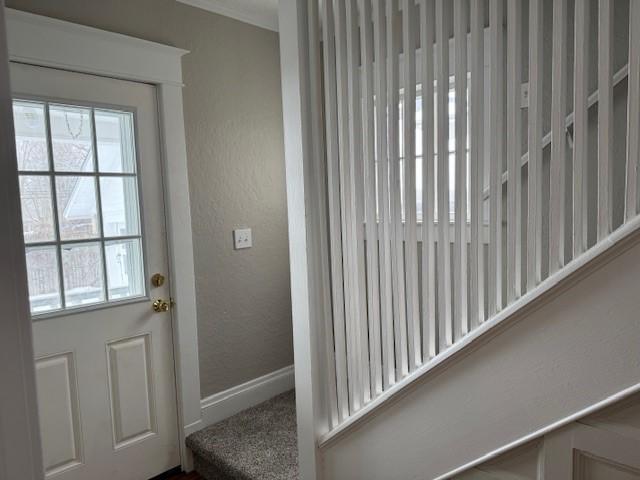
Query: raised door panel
x=131, y=390
x=59, y=412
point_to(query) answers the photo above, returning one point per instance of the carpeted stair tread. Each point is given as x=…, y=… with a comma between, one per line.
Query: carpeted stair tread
x=256, y=444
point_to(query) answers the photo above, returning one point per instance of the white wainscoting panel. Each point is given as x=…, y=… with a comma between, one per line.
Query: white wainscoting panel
x=601, y=446
x=622, y=418
x=133, y=409
x=59, y=412
x=592, y=468
x=222, y=405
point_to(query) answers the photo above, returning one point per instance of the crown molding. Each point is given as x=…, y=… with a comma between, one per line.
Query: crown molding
x=261, y=13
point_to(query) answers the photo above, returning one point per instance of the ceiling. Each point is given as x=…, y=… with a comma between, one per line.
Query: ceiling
x=262, y=13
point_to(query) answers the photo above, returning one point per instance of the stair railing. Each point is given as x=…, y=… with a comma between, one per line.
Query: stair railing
x=460, y=170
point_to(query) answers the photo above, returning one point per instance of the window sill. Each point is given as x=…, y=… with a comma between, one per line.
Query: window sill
x=36, y=317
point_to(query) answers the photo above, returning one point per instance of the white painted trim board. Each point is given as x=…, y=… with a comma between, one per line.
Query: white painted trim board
x=305, y=227
x=49, y=42
x=224, y=404
x=20, y=451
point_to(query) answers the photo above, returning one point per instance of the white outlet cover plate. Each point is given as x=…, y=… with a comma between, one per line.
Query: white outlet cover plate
x=242, y=238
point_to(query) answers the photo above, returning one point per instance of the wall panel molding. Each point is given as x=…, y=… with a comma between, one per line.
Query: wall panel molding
x=590, y=449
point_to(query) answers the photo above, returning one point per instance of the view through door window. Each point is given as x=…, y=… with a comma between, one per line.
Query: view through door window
x=80, y=204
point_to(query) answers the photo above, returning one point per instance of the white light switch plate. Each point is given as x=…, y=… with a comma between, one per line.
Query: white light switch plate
x=242, y=238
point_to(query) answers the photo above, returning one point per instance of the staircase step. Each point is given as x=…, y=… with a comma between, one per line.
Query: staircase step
x=257, y=444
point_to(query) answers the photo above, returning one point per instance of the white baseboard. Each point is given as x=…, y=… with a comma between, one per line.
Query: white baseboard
x=222, y=405
x=193, y=427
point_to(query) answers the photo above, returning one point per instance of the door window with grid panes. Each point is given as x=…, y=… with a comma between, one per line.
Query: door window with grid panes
x=80, y=205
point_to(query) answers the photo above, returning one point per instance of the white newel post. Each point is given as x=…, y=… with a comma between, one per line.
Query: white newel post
x=306, y=227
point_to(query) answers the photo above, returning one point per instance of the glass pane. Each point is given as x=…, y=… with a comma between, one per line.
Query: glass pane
x=31, y=136
x=114, y=133
x=37, y=208
x=452, y=120
x=77, y=211
x=120, y=213
x=452, y=187
x=419, y=208
x=419, y=126
x=44, y=282
x=401, y=124
x=124, y=269
x=71, y=138
x=83, y=275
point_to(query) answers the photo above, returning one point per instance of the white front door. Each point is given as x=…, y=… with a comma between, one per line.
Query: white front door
x=94, y=225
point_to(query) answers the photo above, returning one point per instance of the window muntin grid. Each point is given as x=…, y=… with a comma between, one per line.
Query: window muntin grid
x=81, y=205
x=451, y=144
x=451, y=111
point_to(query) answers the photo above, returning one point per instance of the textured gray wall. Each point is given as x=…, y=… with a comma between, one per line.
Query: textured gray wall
x=233, y=120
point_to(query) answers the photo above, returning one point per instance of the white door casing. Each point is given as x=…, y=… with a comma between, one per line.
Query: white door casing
x=20, y=453
x=38, y=40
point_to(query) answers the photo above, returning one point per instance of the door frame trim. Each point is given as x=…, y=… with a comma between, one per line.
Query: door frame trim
x=20, y=449
x=48, y=42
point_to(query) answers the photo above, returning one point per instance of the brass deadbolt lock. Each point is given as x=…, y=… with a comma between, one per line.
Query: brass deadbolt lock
x=157, y=280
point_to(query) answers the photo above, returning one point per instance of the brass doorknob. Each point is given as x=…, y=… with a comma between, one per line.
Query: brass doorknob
x=161, y=305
